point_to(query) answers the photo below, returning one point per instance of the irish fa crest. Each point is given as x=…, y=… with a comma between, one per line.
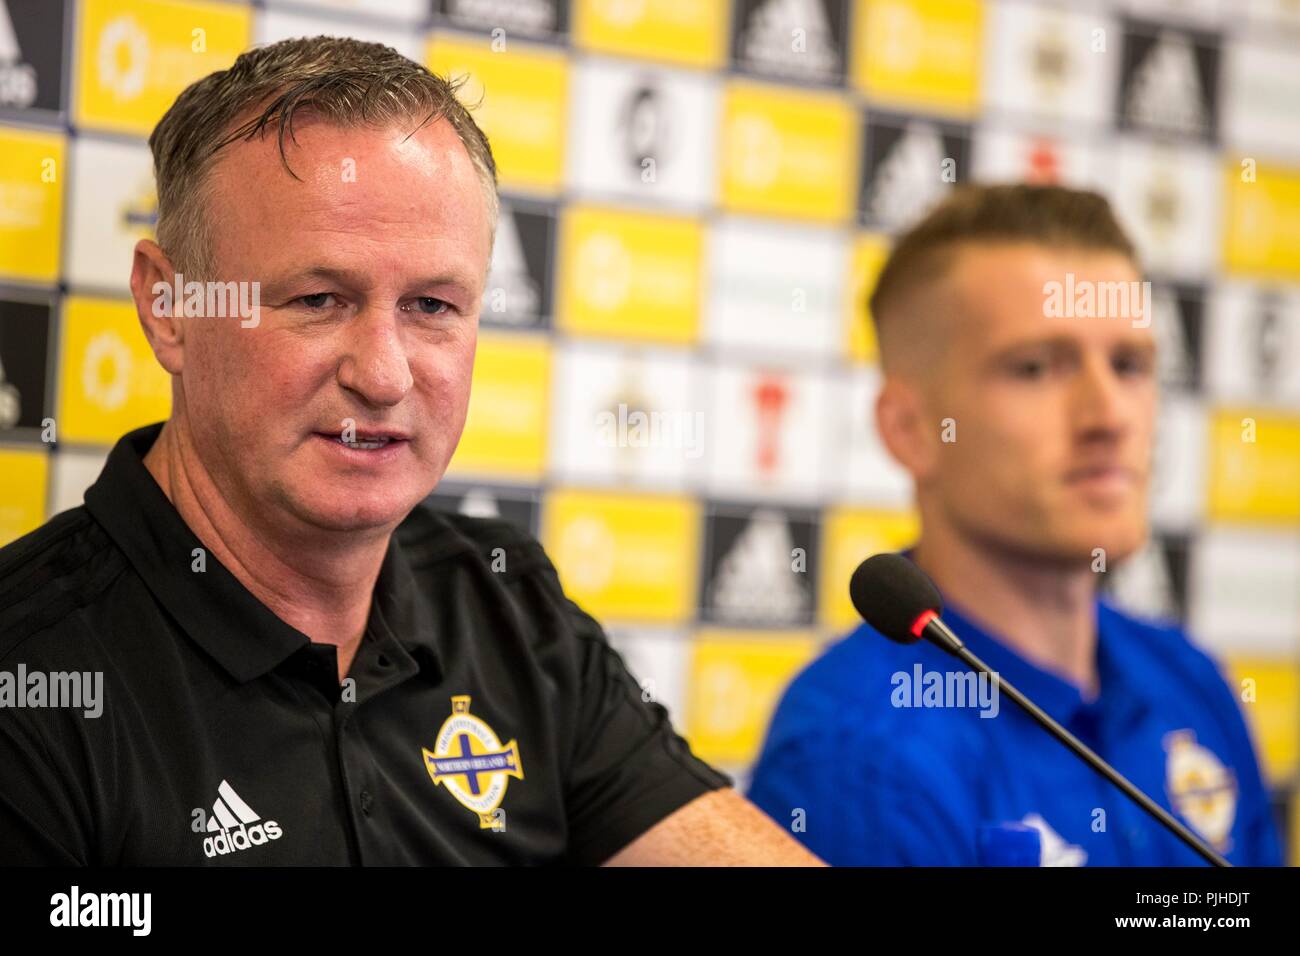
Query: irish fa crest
x=1202, y=790
x=471, y=762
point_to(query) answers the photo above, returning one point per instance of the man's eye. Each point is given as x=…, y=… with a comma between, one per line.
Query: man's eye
x=428, y=305
x=316, y=300
x=1029, y=368
x=1135, y=365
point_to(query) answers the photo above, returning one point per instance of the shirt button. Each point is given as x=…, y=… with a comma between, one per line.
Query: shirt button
x=383, y=661
x=366, y=801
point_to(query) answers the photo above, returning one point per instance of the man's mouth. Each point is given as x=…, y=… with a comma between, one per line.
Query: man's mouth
x=1112, y=478
x=364, y=442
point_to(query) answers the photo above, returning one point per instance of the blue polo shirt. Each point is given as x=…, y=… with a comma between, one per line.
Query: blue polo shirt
x=882, y=779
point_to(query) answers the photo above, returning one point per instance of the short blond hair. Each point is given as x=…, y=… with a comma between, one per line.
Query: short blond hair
x=343, y=81
x=1053, y=216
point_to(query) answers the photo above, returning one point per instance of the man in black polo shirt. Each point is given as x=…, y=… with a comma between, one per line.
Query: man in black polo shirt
x=302, y=663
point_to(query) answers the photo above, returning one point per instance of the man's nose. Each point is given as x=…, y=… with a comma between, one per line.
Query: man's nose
x=374, y=365
x=1101, y=406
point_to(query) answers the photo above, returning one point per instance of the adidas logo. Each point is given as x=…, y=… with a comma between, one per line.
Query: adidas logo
x=234, y=826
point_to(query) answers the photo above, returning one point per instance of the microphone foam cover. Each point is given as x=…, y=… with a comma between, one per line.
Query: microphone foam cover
x=890, y=592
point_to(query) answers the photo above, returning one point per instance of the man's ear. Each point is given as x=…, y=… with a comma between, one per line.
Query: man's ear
x=904, y=426
x=153, y=283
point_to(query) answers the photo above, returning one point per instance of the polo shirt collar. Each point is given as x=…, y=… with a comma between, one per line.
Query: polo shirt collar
x=401, y=608
x=213, y=608
x=1054, y=693
x=1049, y=690
x=1119, y=699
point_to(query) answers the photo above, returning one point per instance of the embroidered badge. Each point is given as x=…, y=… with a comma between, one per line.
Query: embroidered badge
x=1201, y=789
x=471, y=762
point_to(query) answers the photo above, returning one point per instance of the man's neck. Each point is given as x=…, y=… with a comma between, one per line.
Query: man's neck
x=313, y=581
x=1044, y=611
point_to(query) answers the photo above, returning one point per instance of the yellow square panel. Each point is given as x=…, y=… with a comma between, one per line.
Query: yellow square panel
x=505, y=431
x=135, y=56
x=869, y=253
x=23, y=480
x=787, y=152
x=1268, y=692
x=630, y=275
x=919, y=54
x=1254, y=466
x=1261, y=222
x=736, y=679
x=32, y=173
x=517, y=96
x=849, y=537
x=625, y=557
x=688, y=32
x=109, y=380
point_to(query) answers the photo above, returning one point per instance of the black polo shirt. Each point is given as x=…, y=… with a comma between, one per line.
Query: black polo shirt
x=490, y=722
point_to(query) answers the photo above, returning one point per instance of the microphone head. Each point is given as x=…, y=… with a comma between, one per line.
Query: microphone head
x=890, y=592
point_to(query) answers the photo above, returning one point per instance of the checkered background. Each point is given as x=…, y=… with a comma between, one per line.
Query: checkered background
x=675, y=367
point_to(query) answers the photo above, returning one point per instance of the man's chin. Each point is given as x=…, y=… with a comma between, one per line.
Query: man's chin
x=353, y=514
x=1070, y=545
x=1101, y=548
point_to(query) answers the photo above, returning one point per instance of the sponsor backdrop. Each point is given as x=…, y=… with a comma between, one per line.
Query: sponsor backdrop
x=676, y=370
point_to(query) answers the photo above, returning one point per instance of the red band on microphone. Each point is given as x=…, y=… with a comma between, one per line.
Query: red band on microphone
x=922, y=619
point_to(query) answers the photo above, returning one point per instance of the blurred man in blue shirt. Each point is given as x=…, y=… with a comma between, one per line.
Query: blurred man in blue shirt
x=1020, y=394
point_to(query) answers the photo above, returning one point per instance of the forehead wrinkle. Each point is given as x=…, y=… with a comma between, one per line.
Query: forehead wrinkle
x=455, y=249
x=360, y=210
x=366, y=218
x=319, y=163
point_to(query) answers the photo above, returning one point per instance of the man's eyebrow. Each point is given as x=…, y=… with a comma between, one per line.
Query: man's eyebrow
x=1064, y=341
x=354, y=279
x=1146, y=343
x=1054, y=340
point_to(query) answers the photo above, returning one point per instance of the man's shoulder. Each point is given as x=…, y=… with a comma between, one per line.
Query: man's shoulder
x=48, y=574
x=55, y=536
x=849, y=695
x=1179, y=676
x=1157, y=646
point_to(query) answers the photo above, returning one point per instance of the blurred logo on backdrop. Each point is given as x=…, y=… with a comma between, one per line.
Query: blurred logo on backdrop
x=138, y=57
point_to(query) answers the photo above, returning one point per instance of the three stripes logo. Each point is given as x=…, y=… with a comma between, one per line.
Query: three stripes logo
x=17, y=78
x=233, y=826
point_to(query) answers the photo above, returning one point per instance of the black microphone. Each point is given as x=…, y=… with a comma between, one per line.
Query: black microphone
x=896, y=598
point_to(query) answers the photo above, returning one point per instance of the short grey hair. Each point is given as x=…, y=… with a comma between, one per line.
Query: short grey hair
x=346, y=82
